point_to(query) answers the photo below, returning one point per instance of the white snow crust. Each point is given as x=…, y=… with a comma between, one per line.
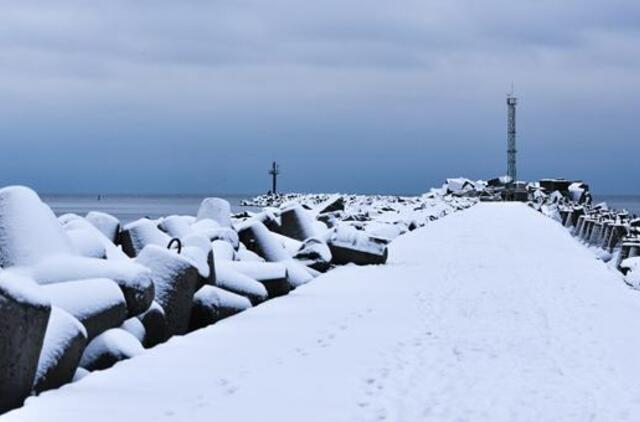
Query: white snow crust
x=492, y=314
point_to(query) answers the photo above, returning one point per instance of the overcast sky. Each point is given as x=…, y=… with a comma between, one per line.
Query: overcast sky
x=348, y=95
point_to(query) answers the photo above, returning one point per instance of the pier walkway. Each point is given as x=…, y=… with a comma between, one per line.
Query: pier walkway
x=491, y=314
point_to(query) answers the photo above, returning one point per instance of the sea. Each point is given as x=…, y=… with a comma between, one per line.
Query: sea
x=630, y=203
x=128, y=208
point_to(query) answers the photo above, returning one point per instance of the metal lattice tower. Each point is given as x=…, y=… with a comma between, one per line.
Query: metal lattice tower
x=511, y=136
x=274, y=172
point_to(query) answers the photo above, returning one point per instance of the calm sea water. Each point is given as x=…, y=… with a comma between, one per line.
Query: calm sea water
x=629, y=202
x=131, y=207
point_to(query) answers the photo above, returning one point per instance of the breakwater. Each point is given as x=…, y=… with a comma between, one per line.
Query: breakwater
x=80, y=293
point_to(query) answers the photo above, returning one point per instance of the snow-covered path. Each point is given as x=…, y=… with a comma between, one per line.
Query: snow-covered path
x=491, y=314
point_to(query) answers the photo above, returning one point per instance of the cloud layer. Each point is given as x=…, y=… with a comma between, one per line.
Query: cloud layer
x=354, y=95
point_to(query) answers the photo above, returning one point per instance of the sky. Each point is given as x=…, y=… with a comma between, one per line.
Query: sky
x=387, y=96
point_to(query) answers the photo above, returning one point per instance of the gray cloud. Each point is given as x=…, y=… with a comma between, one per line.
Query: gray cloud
x=413, y=81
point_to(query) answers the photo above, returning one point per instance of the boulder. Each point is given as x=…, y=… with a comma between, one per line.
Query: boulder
x=154, y=321
x=315, y=254
x=29, y=231
x=211, y=304
x=257, y=238
x=223, y=251
x=177, y=225
x=216, y=209
x=24, y=314
x=63, y=346
x=236, y=282
x=140, y=233
x=107, y=224
x=109, y=348
x=97, y=303
x=349, y=245
x=297, y=223
x=135, y=327
x=175, y=279
x=272, y=275
x=133, y=279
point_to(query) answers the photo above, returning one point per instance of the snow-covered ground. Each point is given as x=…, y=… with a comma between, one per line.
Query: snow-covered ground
x=493, y=314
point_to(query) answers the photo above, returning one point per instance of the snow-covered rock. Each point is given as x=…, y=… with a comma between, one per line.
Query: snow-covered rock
x=155, y=325
x=24, y=313
x=64, y=343
x=107, y=224
x=272, y=275
x=211, y=304
x=97, y=303
x=109, y=348
x=134, y=279
x=216, y=209
x=175, y=279
x=29, y=231
x=239, y=283
x=140, y=233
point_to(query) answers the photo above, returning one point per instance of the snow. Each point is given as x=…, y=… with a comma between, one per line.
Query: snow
x=87, y=229
x=234, y=281
x=216, y=209
x=212, y=296
x=134, y=327
x=85, y=298
x=222, y=250
x=62, y=329
x=177, y=225
x=106, y=223
x=198, y=259
x=292, y=246
x=492, y=314
x=259, y=270
x=347, y=236
x=22, y=289
x=114, y=342
x=62, y=268
x=29, y=231
x=145, y=232
x=86, y=244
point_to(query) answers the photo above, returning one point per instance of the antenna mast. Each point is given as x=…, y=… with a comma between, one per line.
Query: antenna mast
x=512, y=101
x=274, y=172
